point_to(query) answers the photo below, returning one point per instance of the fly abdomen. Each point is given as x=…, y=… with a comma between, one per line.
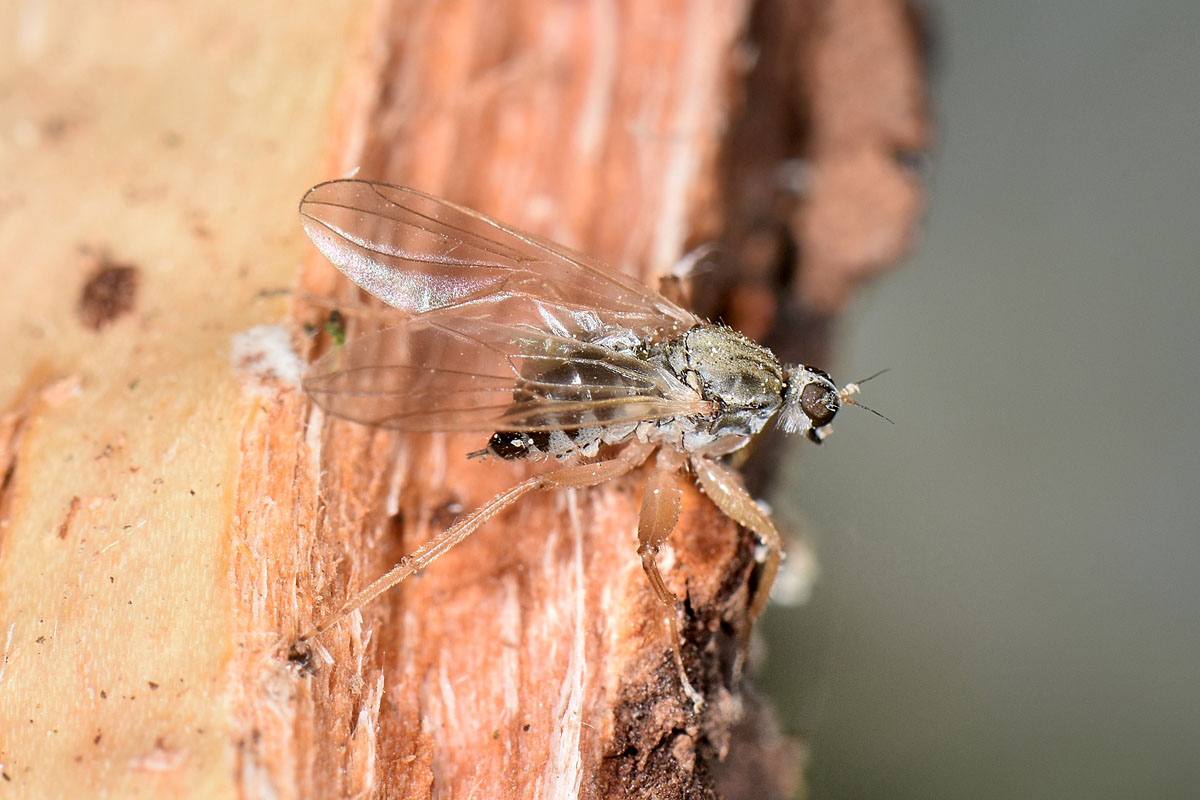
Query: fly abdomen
x=561, y=444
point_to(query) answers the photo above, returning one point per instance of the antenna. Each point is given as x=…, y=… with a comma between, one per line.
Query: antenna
x=872, y=377
x=847, y=392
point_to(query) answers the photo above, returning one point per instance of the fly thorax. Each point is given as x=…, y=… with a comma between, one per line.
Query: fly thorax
x=743, y=377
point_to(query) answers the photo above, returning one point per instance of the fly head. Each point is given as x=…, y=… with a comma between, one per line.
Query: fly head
x=810, y=402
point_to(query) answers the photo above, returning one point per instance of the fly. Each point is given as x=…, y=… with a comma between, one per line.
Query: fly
x=558, y=358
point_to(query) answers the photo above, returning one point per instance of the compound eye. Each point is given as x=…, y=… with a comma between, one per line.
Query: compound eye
x=820, y=403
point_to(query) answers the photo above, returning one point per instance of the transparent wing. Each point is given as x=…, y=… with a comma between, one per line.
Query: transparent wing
x=443, y=371
x=419, y=253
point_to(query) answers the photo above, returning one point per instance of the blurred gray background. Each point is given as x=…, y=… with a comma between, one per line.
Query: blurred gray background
x=1009, y=598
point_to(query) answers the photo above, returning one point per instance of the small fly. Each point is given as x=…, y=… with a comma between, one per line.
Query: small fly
x=558, y=358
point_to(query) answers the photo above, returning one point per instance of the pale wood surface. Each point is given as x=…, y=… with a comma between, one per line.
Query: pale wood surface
x=176, y=141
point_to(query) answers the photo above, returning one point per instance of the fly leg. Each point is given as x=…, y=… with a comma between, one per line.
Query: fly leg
x=573, y=477
x=725, y=489
x=661, y=501
x=358, y=309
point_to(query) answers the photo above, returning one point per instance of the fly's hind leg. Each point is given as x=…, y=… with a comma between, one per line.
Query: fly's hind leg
x=661, y=502
x=573, y=477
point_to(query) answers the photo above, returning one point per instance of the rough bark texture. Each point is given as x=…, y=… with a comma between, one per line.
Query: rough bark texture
x=532, y=660
x=173, y=513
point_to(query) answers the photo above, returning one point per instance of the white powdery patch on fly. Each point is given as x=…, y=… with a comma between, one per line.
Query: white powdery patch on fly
x=263, y=355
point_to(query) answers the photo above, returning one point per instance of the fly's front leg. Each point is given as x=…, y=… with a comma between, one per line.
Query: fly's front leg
x=724, y=488
x=577, y=476
x=661, y=503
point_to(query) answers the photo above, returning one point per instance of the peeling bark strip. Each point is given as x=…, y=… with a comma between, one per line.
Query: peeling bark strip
x=532, y=660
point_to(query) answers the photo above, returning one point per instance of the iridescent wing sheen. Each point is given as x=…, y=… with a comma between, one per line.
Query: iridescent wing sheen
x=447, y=371
x=419, y=253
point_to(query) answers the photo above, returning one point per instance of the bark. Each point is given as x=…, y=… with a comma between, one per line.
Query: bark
x=173, y=513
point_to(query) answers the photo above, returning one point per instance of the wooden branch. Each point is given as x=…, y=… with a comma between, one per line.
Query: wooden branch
x=532, y=658
x=173, y=513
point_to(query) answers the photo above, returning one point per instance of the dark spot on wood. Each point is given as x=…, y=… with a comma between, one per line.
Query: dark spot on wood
x=56, y=128
x=300, y=657
x=152, y=684
x=110, y=292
